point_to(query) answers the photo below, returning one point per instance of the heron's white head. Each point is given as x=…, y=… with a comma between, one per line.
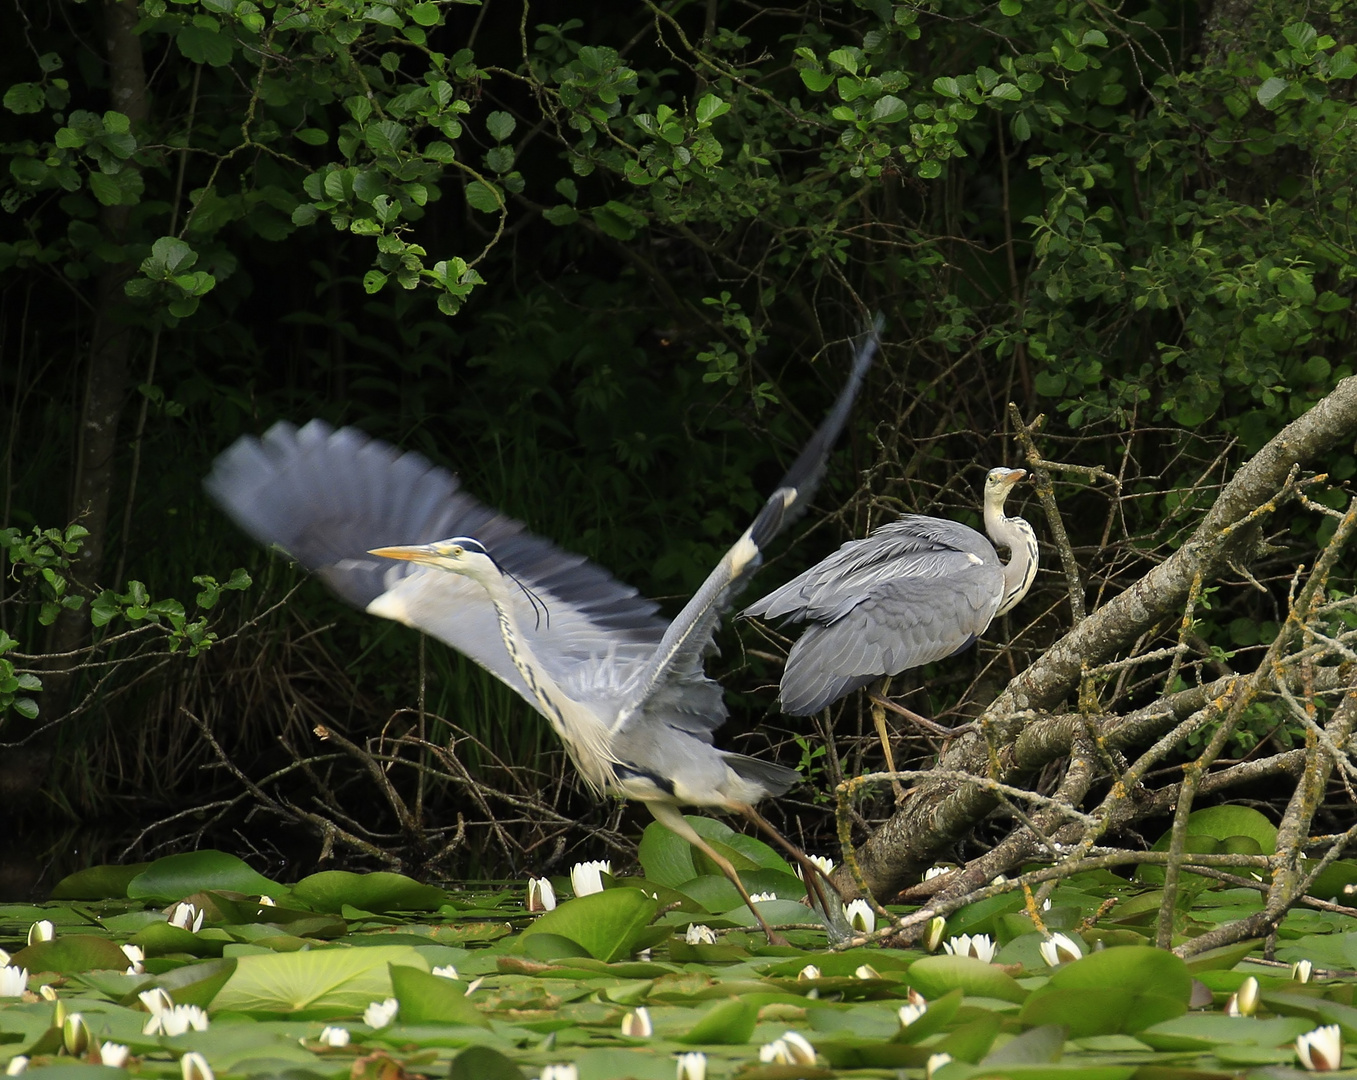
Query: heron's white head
x=998, y=482
x=458, y=555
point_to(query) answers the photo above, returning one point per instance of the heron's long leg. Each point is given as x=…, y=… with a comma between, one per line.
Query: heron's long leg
x=879, y=718
x=811, y=874
x=668, y=815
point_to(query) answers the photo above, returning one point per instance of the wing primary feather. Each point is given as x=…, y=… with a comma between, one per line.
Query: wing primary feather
x=681, y=650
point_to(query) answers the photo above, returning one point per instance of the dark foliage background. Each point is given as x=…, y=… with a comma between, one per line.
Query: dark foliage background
x=605, y=266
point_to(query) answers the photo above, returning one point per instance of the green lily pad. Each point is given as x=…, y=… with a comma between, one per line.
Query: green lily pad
x=331, y=890
x=1203, y=1031
x=319, y=984
x=71, y=953
x=609, y=925
x=431, y=999
x=933, y=976
x=483, y=1063
x=670, y=860
x=97, y=882
x=1117, y=991
x=727, y=1023
x=177, y=876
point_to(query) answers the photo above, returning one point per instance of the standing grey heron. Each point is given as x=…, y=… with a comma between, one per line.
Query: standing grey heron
x=915, y=590
x=624, y=689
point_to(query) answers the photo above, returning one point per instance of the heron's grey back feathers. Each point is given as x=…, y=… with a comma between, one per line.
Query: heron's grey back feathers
x=916, y=590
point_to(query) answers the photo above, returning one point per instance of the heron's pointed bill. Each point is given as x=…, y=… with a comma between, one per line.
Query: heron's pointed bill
x=408, y=553
x=1012, y=476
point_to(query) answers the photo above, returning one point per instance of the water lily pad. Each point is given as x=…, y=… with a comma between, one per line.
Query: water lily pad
x=1116, y=991
x=728, y=1023
x=432, y=999
x=933, y=976
x=379, y=891
x=1203, y=1031
x=70, y=953
x=97, y=882
x=671, y=860
x=177, y=876
x=319, y=984
x=609, y=925
x=483, y=1063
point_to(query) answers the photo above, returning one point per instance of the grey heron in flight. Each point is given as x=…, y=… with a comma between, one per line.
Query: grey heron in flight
x=915, y=590
x=623, y=688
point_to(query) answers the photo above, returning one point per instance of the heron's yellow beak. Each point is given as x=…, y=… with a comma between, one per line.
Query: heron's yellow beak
x=1012, y=476
x=411, y=553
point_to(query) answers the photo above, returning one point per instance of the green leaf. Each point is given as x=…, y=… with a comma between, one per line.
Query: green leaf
x=177, y=876
x=25, y=98
x=483, y=1063
x=1010, y=7
x=934, y=976
x=106, y=189
x=888, y=109
x=97, y=882
x=607, y=925
x=500, y=125
x=947, y=86
x=319, y=984
x=425, y=14
x=373, y=281
x=69, y=953
x=1123, y=989
x=727, y=1023
x=432, y=999
x=1270, y=91
x=710, y=107
x=203, y=45
x=1226, y=821
x=816, y=81
x=331, y=890
x=484, y=197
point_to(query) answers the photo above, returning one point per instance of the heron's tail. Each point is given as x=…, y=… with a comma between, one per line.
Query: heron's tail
x=774, y=779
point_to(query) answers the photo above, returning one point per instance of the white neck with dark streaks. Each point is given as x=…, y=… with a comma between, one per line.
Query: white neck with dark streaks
x=1021, y=540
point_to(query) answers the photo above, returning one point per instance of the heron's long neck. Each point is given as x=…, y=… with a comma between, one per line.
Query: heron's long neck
x=578, y=729
x=1021, y=540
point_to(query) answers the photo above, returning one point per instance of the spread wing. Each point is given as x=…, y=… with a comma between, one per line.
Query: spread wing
x=673, y=686
x=327, y=496
x=914, y=591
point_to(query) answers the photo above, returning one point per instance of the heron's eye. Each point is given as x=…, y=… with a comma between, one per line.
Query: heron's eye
x=457, y=549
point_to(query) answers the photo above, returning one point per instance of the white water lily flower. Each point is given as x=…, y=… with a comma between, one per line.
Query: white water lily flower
x=447, y=971
x=1060, y=950
x=692, y=1065
x=135, y=958
x=1301, y=970
x=636, y=1024
x=76, y=1035
x=587, y=877
x=187, y=917
x=1244, y=1001
x=759, y=897
x=157, y=1000
x=998, y=879
x=935, y=1062
x=114, y=1054
x=936, y=871
x=1321, y=1050
x=911, y=1012
x=541, y=894
x=560, y=1072
x=937, y=926
x=193, y=1066
x=473, y=985
x=267, y=901
x=335, y=1036
x=824, y=862
x=42, y=930
x=176, y=1020
x=16, y=1065
x=810, y=971
x=866, y=971
x=860, y=916
x=13, y=981
x=1046, y=904
x=48, y=992
x=791, y=1049
x=698, y=934
x=978, y=945
x=4, y=958
x=380, y=1013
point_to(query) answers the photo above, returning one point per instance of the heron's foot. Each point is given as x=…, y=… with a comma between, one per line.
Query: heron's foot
x=774, y=938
